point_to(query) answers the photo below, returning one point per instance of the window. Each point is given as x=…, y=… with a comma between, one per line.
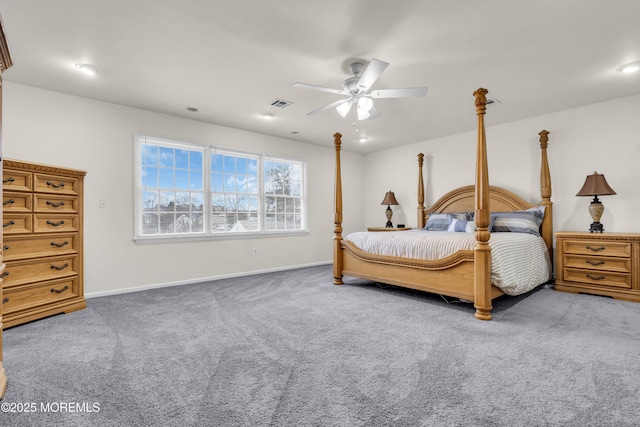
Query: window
x=283, y=194
x=235, y=194
x=188, y=190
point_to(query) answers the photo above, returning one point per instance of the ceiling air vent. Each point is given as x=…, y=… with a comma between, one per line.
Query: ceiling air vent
x=492, y=101
x=280, y=103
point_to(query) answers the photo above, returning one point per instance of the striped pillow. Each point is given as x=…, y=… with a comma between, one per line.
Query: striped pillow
x=438, y=222
x=462, y=226
x=527, y=221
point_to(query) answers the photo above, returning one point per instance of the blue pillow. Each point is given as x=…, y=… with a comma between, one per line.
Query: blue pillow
x=527, y=221
x=438, y=222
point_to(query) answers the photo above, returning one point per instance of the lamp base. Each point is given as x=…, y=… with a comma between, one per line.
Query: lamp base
x=389, y=213
x=596, y=227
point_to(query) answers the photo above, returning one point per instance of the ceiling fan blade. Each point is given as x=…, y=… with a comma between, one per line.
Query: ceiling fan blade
x=328, y=107
x=371, y=74
x=409, y=92
x=320, y=88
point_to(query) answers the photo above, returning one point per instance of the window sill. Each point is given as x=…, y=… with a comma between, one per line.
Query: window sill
x=221, y=236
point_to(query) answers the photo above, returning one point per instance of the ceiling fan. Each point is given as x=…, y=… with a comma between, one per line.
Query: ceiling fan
x=356, y=89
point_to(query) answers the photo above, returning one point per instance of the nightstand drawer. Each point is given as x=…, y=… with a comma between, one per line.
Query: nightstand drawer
x=600, y=278
x=598, y=263
x=597, y=247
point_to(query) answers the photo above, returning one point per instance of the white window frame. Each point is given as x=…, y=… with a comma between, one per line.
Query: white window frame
x=207, y=233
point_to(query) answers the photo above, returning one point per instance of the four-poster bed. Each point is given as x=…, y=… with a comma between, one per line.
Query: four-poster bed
x=467, y=273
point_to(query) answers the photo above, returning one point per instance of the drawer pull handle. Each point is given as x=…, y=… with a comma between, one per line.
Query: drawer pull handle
x=60, y=245
x=55, y=205
x=55, y=185
x=60, y=267
x=4, y=274
x=595, y=277
x=5, y=248
x=55, y=224
x=6, y=224
x=12, y=179
x=600, y=262
x=6, y=300
x=596, y=249
x=8, y=202
x=59, y=291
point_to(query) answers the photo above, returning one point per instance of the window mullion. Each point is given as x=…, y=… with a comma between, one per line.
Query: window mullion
x=208, y=199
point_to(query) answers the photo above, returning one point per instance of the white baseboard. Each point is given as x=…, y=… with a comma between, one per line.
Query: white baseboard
x=199, y=280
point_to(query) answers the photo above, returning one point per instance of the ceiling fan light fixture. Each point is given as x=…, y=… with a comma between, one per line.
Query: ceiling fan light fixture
x=362, y=114
x=365, y=104
x=343, y=109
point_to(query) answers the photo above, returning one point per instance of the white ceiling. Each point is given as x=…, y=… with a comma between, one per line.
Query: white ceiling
x=231, y=58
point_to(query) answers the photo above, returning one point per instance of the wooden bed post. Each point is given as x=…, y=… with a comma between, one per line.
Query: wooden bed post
x=421, y=223
x=545, y=193
x=337, y=219
x=482, y=250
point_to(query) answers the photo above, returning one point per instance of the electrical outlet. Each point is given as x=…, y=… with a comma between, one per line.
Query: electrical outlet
x=255, y=250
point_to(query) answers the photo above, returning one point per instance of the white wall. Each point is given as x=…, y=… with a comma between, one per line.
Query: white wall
x=603, y=137
x=53, y=128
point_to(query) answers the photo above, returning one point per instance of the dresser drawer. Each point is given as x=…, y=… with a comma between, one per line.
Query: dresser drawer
x=37, y=246
x=55, y=184
x=17, y=180
x=13, y=223
x=16, y=202
x=39, y=294
x=27, y=271
x=595, y=247
x=55, y=203
x=598, y=263
x=49, y=223
x=597, y=277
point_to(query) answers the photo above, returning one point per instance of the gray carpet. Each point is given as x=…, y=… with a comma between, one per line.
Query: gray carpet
x=291, y=349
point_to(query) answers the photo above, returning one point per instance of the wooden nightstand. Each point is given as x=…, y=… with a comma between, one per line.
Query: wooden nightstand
x=599, y=263
x=387, y=229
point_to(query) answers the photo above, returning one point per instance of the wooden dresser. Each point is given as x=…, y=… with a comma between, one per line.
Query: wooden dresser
x=599, y=263
x=42, y=241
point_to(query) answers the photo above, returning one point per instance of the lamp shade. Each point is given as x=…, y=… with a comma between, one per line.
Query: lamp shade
x=389, y=199
x=595, y=185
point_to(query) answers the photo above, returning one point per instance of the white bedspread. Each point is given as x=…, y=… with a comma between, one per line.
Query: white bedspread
x=519, y=261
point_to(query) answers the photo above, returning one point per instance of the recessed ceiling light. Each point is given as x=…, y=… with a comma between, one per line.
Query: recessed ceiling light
x=294, y=132
x=363, y=139
x=87, y=69
x=192, y=109
x=267, y=116
x=631, y=67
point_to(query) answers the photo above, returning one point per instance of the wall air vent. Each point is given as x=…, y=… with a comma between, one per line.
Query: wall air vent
x=280, y=103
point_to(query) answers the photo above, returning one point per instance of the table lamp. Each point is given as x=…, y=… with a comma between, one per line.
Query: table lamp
x=389, y=199
x=595, y=185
